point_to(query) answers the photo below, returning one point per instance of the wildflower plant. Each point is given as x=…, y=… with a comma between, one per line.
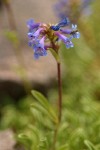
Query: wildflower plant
x=44, y=37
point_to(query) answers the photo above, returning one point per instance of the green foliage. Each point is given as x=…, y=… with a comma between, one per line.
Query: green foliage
x=79, y=129
x=17, y=116
x=89, y=145
x=44, y=102
x=33, y=140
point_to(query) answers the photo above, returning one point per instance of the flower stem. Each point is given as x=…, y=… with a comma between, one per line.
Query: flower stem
x=56, y=49
x=59, y=103
x=59, y=91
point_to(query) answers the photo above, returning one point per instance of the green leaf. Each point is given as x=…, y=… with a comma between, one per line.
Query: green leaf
x=36, y=106
x=43, y=144
x=89, y=145
x=42, y=116
x=35, y=136
x=64, y=147
x=56, y=56
x=24, y=139
x=44, y=102
x=35, y=132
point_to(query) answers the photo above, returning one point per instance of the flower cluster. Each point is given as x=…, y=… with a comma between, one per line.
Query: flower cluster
x=44, y=36
x=72, y=8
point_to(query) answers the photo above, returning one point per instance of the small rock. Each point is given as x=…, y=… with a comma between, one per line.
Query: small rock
x=7, y=141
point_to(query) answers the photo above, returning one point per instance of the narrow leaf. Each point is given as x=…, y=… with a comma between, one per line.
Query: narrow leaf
x=89, y=145
x=35, y=135
x=44, y=102
x=39, y=108
x=25, y=140
x=40, y=98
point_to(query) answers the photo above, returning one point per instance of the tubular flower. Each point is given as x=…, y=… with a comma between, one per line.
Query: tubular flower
x=42, y=36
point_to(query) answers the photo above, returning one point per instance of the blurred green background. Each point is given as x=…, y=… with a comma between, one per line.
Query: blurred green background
x=19, y=74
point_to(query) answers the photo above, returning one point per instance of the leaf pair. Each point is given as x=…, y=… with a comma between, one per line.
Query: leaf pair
x=46, y=105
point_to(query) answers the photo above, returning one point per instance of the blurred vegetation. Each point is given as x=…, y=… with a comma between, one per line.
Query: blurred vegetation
x=35, y=120
x=79, y=129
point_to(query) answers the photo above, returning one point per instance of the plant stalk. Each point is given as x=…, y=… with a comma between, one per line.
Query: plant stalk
x=59, y=91
x=59, y=103
x=56, y=49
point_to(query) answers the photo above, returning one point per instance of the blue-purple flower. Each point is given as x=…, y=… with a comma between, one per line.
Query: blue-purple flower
x=73, y=31
x=39, y=49
x=44, y=36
